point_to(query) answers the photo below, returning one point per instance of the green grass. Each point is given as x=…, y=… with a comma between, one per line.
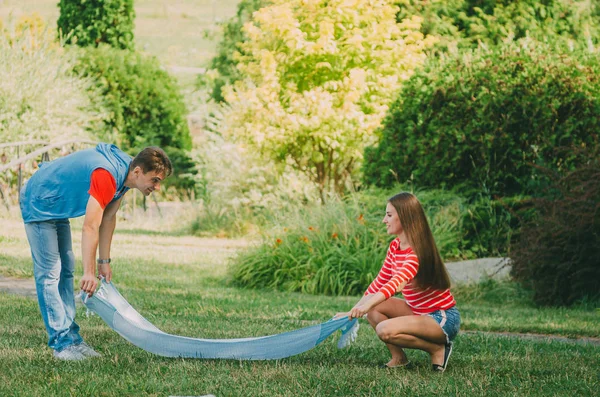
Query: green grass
x=178, y=284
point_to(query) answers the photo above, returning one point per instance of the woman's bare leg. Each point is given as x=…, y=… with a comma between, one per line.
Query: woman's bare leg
x=390, y=308
x=414, y=332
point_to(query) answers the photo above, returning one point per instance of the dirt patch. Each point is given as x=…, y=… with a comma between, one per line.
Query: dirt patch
x=18, y=286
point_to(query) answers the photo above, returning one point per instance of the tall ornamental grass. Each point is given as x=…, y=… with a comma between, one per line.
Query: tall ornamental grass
x=238, y=193
x=39, y=96
x=338, y=248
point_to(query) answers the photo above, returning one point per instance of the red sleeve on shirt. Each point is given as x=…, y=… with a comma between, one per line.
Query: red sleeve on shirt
x=398, y=267
x=103, y=187
x=386, y=272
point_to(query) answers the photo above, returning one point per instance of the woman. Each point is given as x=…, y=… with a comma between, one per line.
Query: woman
x=427, y=318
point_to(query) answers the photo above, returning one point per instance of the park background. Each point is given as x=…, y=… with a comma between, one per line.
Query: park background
x=289, y=128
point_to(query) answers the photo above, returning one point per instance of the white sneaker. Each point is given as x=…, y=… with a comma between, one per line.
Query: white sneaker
x=69, y=354
x=86, y=350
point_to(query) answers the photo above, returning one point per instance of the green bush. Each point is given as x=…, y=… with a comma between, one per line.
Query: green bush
x=468, y=23
x=145, y=105
x=558, y=252
x=481, y=120
x=338, y=248
x=224, y=63
x=93, y=22
x=459, y=24
x=488, y=225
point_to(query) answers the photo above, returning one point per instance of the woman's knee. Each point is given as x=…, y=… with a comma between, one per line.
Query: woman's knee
x=385, y=331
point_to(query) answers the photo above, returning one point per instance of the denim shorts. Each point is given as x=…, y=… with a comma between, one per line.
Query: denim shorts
x=449, y=320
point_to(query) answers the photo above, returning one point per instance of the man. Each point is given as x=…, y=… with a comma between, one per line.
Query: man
x=92, y=183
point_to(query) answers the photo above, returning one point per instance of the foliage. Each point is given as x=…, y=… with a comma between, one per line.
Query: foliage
x=145, y=105
x=237, y=191
x=93, y=22
x=317, y=80
x=40, y=99
x=222, y=66
x=480, y=120
x=488, y=225
x=458, y=24
x=30, y=32
x=464, y=24
x=558, y=252
x=338, y=248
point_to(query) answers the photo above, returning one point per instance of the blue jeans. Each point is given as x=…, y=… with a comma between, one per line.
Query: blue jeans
x=53, y=266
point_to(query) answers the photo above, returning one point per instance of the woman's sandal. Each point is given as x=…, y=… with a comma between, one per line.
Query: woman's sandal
x=405, y=365
x=447, y=353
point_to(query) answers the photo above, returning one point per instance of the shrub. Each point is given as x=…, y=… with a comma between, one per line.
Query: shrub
x=480, y=120
x=225, y=63
x=145, y=105
x=488, y=225
x=468, y=23
x=338, y=248
x=334, y=249
x=558, y=253
x=93, y=22
x=318, y=78
x=457, y=23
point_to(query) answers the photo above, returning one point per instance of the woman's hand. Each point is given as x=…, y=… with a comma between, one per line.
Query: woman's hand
x=358, y=311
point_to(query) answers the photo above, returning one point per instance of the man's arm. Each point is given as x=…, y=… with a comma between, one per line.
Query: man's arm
x=107, y=228
x=89, y=245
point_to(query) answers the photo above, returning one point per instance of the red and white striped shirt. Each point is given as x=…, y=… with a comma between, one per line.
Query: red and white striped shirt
x=400, y=266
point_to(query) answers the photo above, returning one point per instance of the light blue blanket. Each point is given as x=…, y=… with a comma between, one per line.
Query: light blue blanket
x=108, y=303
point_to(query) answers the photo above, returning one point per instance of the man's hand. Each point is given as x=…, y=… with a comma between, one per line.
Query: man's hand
x=88, y=284
x=105, y=271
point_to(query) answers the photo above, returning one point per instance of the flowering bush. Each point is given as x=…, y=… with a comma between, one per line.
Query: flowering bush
x=338, y=248
x=316, y=80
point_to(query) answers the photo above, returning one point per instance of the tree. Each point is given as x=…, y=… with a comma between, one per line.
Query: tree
x=224, y=62
x=92, y=22
x=468, y=23
x=317, y=77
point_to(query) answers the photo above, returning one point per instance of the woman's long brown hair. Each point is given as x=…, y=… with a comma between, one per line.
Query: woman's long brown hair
x=432, y=272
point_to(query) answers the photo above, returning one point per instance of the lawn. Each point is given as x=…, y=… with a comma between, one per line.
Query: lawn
x=179, y=283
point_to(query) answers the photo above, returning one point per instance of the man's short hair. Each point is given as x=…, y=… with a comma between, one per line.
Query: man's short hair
x=153, y=158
